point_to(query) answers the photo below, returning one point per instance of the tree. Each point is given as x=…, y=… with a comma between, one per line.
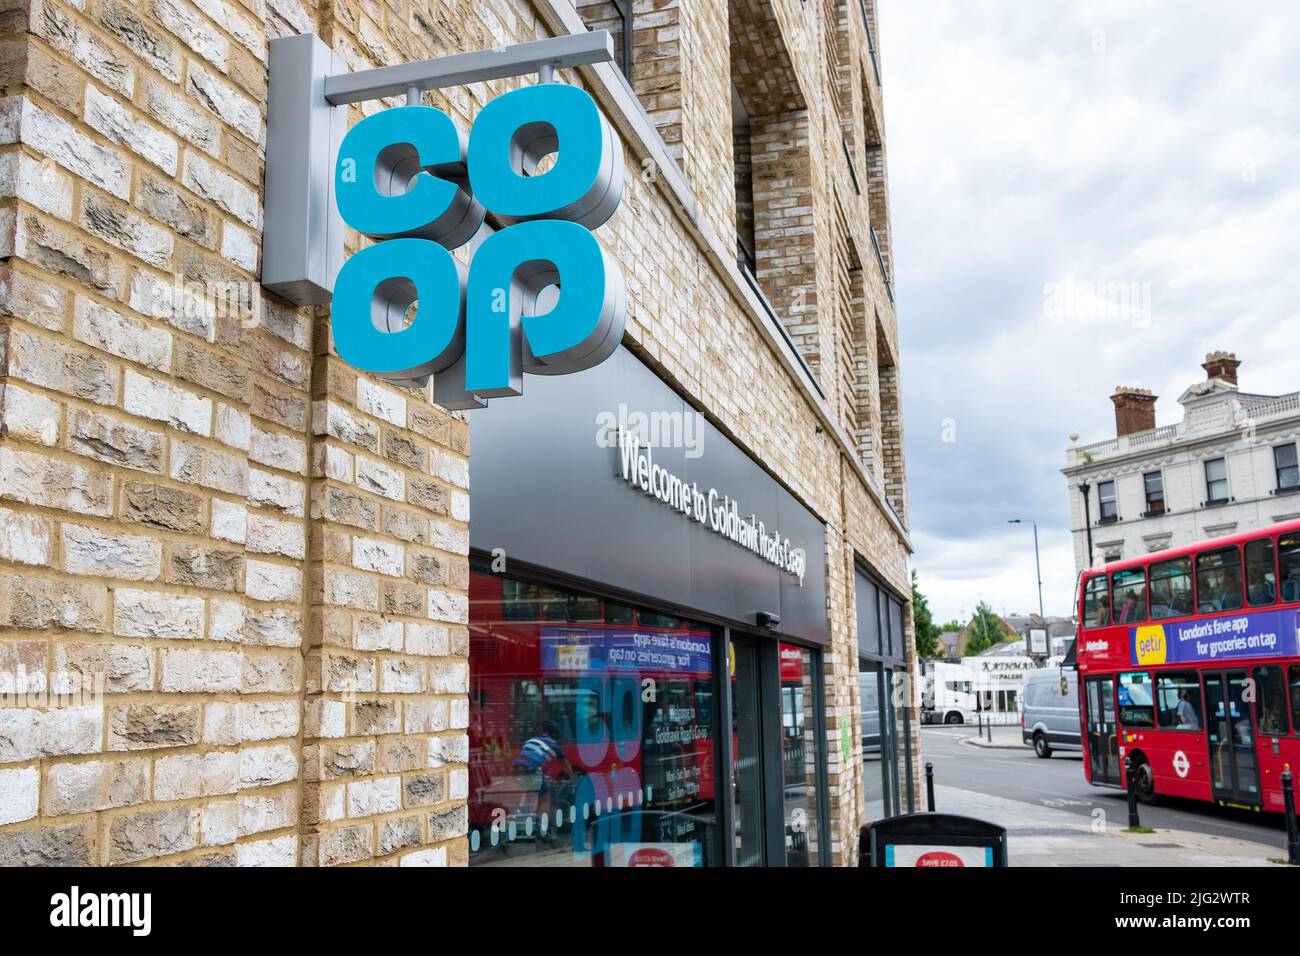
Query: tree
x=927, y=634
x=985, y=629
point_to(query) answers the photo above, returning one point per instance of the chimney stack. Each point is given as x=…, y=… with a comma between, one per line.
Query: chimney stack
x=1222, y=366
x=1135, y=410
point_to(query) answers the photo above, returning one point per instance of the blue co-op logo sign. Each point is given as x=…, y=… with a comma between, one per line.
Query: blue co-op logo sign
x=539, y=294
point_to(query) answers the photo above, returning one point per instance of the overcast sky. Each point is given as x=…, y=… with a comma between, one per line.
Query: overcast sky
x=1152, y=146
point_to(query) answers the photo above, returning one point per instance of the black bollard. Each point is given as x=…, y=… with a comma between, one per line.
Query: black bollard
x=929, y=786
x=1288, y=803
x=988, y=728
x=1133, y=822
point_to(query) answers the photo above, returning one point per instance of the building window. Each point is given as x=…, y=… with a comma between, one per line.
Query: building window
x=1288, y=471
x=559, y=724
x=1107, y=502
x=1216, y=481
x=616, y=17
x=1155, y=489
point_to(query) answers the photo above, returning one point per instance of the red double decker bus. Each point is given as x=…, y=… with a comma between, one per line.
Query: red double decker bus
x=1189, y=663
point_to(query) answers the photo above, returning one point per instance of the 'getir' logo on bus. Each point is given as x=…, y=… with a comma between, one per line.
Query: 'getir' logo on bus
x=539, y=295
x=1149, y=645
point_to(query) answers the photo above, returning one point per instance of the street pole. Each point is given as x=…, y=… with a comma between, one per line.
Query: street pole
x=1038, y=568
x=1038, y=565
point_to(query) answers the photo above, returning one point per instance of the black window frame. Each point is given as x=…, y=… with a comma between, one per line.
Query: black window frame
x=1293, y=468
x=1210, y=499
x=1113, y=501
x=1152, y=511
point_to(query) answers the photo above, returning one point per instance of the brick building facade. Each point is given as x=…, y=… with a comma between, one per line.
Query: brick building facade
x=234, y=572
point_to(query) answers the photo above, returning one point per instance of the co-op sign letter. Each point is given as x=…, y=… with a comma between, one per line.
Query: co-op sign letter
x=539, y=294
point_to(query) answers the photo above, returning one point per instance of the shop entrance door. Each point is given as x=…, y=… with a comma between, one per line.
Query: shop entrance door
x=747, y=753
x=1234, y=771
x=1103, y=730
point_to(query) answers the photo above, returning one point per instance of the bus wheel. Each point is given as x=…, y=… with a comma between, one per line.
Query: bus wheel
x=1144, y=781
x=1041, y=747
x=953, y=718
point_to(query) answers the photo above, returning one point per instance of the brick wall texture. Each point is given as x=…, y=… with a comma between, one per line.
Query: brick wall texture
x=233, y=570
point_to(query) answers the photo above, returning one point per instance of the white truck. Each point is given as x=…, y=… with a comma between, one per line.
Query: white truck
x=947, y=693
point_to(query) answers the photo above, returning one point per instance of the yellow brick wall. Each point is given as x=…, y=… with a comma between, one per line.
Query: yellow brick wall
x=261, y=554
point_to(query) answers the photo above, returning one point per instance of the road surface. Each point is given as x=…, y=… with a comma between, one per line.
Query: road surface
x=1058, y=782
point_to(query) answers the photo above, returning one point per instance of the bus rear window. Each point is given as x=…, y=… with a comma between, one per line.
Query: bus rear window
x=1096, y=602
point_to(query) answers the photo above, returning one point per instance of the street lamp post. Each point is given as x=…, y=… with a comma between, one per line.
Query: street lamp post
x=1038, y=566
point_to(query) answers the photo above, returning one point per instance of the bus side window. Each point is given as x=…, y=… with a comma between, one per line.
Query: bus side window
x=1178, y=700
x=1294, y=674
x=1288, y=559
x=1096, y=602
x=1261, y=575
x=1218, y=580
x=1136, y=707
x=1171, y=589
x=1270, y=700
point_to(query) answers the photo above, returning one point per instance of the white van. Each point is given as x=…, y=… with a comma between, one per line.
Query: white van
x=1049, y=718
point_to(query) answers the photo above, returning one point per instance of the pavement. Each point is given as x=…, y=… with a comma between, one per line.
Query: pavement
x=1004, y=738
x=1054, y=818
x=1043, y=836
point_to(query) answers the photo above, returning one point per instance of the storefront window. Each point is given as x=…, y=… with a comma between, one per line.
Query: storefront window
x=799, y=756
x=874, y=772
x=746, y=746
x=591, y=738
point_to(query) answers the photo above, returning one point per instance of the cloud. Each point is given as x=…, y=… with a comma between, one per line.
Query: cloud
x=1148, y=147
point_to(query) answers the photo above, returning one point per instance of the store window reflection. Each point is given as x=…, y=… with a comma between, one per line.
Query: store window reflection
x=882, y=696
x=590, y=731
x=799, y=756
x=873, y=766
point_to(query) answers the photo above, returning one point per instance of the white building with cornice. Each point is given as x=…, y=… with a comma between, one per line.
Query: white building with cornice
x=1229, y=465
